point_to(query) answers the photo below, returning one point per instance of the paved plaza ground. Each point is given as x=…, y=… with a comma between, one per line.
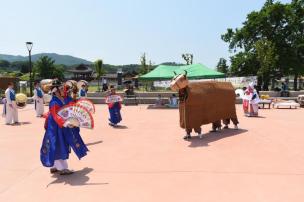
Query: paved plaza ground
x=146, y=160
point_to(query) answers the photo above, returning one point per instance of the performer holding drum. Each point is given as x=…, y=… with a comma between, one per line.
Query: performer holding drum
x=11, y=111
x=114, y=103
x=38, y=99
x=59, y=135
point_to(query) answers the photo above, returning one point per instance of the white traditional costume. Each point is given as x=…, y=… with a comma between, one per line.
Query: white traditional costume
x=251, y=101
x=11, y=111
x=38, y=99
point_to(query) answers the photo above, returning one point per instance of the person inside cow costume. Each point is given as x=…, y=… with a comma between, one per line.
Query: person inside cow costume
x=201, y=103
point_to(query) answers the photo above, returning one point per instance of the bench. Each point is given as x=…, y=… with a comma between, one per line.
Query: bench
x=265, y=102
x=287, y=104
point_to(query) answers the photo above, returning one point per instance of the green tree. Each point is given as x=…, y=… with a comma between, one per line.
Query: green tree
x=222, y=66
x=45, y=67
x=22, y=66
x=243, y=64
x=4, y=64
x=99, y=70
x=144, y=68
x=280, y=29
x=267, y=57
x=296, y=39
x=58, y=72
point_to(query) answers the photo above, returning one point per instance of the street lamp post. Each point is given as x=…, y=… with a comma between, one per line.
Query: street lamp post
x=29, y=46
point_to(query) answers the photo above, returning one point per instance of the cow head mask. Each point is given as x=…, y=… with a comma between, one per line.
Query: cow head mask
x=179, y=82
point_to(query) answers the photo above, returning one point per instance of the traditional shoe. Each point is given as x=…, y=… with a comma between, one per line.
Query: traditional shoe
x=53, y=170
x=187, y=137
x=66, y=172
x=236, y=127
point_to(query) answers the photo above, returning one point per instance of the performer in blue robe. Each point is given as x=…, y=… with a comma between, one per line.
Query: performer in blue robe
x=60, y=136
x=114, y=109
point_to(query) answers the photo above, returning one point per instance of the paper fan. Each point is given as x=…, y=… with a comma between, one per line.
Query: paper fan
x=78, y=115
x=88, y=104
x=113, y=98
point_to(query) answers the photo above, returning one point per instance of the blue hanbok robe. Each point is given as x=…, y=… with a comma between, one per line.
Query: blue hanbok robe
x=115, y=116
x=58, y=140
x=82, y=93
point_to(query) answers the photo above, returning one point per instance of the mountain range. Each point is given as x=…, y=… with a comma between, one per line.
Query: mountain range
x=59, y=59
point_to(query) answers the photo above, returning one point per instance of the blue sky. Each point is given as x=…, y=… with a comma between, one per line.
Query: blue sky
x=119, y=31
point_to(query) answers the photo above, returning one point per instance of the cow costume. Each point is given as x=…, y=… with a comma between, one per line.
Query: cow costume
x=201, y=102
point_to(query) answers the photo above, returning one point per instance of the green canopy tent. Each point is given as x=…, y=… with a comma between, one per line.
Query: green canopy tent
x=195, y=71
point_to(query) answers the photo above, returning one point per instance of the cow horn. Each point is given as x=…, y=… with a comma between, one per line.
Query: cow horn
x=186, y=72
x=174, y=73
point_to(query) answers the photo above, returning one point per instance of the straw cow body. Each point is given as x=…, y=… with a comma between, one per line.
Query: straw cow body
x=206, y=102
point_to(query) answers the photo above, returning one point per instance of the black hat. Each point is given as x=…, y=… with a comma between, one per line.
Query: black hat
x=56, y=83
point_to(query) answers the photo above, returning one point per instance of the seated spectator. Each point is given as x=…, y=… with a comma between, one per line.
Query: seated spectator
x=173, y=101
x=159, y=101
x=129, y=90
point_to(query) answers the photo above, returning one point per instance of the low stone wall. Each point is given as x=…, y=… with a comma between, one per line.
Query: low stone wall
x=151, y=97
x=138, y=94
x=278, y=94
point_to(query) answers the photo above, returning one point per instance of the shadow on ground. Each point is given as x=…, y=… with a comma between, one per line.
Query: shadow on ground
x=94, y=143
x=22, y=123
x=213, y=137
x=79, y=178
x=120, y=127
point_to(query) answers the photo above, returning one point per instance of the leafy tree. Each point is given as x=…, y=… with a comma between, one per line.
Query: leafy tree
x=99, y=70
x=222, y=66
x=244, y=64
x=296, y=39
x=188, y=57
x=22, y=66
x=4, y=64
x=45, y=67
x=267, y=57
x=279, y=29
x=144, y=68
x=58, y=72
